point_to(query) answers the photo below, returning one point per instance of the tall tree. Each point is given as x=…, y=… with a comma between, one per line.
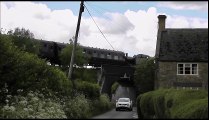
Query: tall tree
x=21, y=33
x=24, y=39
x=145, y=72
x=65, y=55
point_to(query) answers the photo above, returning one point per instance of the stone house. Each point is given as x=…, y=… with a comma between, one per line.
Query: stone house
x=181, y=57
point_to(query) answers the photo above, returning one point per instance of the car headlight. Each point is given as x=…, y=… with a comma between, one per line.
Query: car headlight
x=128, y=104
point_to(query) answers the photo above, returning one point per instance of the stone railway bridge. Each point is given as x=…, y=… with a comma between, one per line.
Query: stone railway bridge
x=113, y=65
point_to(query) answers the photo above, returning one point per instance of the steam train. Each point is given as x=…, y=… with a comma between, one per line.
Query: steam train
x=50, y=50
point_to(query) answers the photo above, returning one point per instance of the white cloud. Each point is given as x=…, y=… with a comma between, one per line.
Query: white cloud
x=118, y=22
x=187, y=5
x=131, y=32
x=184, y=22
x=145, y=31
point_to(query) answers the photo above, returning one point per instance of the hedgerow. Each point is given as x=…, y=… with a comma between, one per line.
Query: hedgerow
x=173, y=103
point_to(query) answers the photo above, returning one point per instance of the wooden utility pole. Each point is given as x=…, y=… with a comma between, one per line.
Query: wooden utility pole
x=75, y=42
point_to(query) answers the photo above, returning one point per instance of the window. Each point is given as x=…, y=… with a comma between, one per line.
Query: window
x=180, y=68
x=108, y=56
x=123, y=100
x=194, y=68
x=95, y=54
x=102, y=55
x=187, y=69
x=116, y=57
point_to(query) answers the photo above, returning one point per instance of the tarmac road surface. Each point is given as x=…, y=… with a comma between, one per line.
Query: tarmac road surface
x=112, y=114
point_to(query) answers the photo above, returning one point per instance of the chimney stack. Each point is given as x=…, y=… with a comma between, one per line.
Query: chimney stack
x=161, y=22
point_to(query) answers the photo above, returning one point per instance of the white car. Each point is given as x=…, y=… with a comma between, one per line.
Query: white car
x=123, y=103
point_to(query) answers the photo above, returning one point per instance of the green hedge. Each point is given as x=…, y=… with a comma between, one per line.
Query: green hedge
x=77, y=108
x=85, y=74
x=23, y=70
x=101, y=105
x=90, y=90
x=173, y=103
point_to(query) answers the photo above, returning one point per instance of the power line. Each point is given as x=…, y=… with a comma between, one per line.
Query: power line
x=100, y=7
x=98, y=27
x=119, y=26
x=97, y=11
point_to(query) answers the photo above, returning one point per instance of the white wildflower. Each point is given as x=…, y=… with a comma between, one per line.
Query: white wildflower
x=64, y=116
x=52, y=108
x=19, y=90
x=6, y=107
x=41, y=95
x=30, y=94
x=22, y=98
x=23, y=102
x=9, y=96
x=6, y=90
x=30, y=106
x=30, y=109
x=12, y=108
x=12, y=103
x=35, y=99
x=42, y=110
x=25, y=109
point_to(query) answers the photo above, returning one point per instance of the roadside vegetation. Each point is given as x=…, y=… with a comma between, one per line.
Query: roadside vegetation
x=145, y=75
x=173, y=104
x=114, y=87
x=29, y=88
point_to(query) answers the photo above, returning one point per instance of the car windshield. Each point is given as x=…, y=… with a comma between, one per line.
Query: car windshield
x=123, y=100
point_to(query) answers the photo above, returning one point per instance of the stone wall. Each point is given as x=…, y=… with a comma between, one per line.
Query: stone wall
x=167, y=75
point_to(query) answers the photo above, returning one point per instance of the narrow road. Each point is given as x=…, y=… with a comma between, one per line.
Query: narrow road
x=118, y=114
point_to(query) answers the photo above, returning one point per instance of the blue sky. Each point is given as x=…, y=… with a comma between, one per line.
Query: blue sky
x=121, y=7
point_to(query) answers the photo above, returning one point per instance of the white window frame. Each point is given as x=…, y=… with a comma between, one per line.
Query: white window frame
x=116, y=57
x=184, y=69
x=102, y=55
x=109, y=56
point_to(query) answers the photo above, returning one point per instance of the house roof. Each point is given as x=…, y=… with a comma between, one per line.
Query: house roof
x=185, y=45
